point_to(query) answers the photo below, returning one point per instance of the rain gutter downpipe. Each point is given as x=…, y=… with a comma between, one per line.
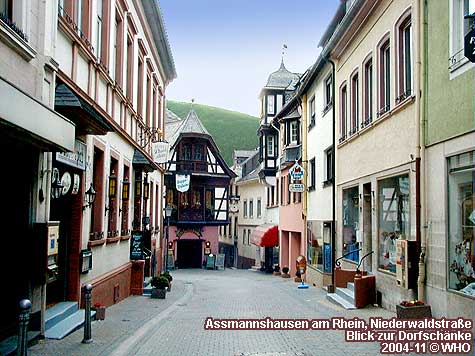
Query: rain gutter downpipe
x=331, y=288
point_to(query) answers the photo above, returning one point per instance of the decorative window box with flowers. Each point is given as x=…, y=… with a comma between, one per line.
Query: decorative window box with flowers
x=414, y=309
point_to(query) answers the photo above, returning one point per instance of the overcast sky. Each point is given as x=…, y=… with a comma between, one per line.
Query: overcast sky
x=224, y=50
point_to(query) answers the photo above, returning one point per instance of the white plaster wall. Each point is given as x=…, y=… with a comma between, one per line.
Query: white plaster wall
x=64, y=53
x=250, y=190
x=319, y=139
x=107, y=257
x=83, y=73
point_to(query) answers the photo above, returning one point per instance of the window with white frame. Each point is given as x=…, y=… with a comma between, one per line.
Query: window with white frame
x=6, y=9
x=259, y=208
x=245, y=209
x=384, y=77
x=251, y=208
x=312, y=112
x=294, y=132
x=343, y=112
x=78, y=11
x=328, y=174
x=368, y=92
x=99, y=30
x=328, y=92
x=354, y=103
x=458, y=28
x=404, y=59
x=280, y=101
x=270, y=105
x=270, y=145
x=311, y=174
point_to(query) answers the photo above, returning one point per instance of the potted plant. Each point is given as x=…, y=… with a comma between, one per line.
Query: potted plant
x=169, y=277
x=100, y=311
x=298, y=277
x=276, y=270
x=414, y=309
x=159, y=285
x=285, y=272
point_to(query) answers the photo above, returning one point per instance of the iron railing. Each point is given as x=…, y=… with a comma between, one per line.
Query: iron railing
x=337, y=261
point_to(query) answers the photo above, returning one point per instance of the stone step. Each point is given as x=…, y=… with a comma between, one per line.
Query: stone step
x=67, y=325
x=9, y=346
x=147, y=281
x=59, y=312
x=351, y=286
x=336, y=299
x=346, y=294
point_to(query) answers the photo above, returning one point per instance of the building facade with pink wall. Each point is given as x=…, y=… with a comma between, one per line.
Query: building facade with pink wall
x=199, y=202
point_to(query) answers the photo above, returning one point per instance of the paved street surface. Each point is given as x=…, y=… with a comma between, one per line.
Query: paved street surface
x=174, y=327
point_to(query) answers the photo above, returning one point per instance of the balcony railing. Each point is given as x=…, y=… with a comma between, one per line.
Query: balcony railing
x=195, y=166
x=8, y=21
x=63, y=14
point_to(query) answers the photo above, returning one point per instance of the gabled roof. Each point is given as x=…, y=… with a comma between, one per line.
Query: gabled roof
x=176, y=129
x=191, y=125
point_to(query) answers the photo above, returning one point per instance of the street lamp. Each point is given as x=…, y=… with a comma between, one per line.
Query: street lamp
x=168, y=214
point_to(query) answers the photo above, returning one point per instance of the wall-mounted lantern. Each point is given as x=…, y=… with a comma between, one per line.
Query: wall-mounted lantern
x=146, y=190
x=56, y=185
x=125, y=189
x=112, y=186
x=89, y=197
x=138, y=188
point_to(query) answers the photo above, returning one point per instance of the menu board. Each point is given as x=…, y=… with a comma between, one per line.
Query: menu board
x=220, y=260
x=210, y=259
x=136, y=245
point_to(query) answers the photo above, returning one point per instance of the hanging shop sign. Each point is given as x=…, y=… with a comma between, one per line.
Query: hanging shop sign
x=296, y=172
x=75, y=159
x=296, y=188
x=469, y=48
x=76, y=184
x=160, y=152
x=182, y=182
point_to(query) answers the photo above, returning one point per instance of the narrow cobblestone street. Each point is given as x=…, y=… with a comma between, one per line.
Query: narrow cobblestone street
x=144, y=326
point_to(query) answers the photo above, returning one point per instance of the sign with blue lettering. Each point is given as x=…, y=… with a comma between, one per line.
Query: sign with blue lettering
x=327, y=258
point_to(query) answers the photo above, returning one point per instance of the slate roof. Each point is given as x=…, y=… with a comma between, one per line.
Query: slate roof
x=191, y=125
x=282, y=79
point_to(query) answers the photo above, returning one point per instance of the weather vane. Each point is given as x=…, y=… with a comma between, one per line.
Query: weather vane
x=284, y=50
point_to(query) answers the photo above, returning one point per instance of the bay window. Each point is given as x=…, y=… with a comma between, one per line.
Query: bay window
x=270, y=105
x=270, y=146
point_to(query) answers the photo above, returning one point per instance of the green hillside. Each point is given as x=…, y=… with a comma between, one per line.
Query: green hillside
x=231, y=130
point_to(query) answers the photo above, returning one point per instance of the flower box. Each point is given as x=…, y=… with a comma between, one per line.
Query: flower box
x=158, y=293
x=100, y=312
x=413, y=311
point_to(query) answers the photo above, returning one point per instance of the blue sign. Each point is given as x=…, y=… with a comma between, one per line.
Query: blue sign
x=327, y=258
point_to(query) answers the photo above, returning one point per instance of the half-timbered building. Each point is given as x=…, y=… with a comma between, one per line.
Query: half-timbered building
x=201, y=207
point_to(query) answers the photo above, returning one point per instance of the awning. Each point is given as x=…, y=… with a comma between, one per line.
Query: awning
x=27, y=118
x=265, y=236
x=88, y=121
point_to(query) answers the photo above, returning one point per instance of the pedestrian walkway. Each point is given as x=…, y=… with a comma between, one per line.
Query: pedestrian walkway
x=121, y=321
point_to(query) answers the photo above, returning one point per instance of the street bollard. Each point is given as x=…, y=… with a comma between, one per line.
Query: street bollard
x=24, y=319
x=87, y=318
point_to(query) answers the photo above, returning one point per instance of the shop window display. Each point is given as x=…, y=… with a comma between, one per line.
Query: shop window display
x=461, y=211
x=315, y=244
x=393, y=219
x=351, y=223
